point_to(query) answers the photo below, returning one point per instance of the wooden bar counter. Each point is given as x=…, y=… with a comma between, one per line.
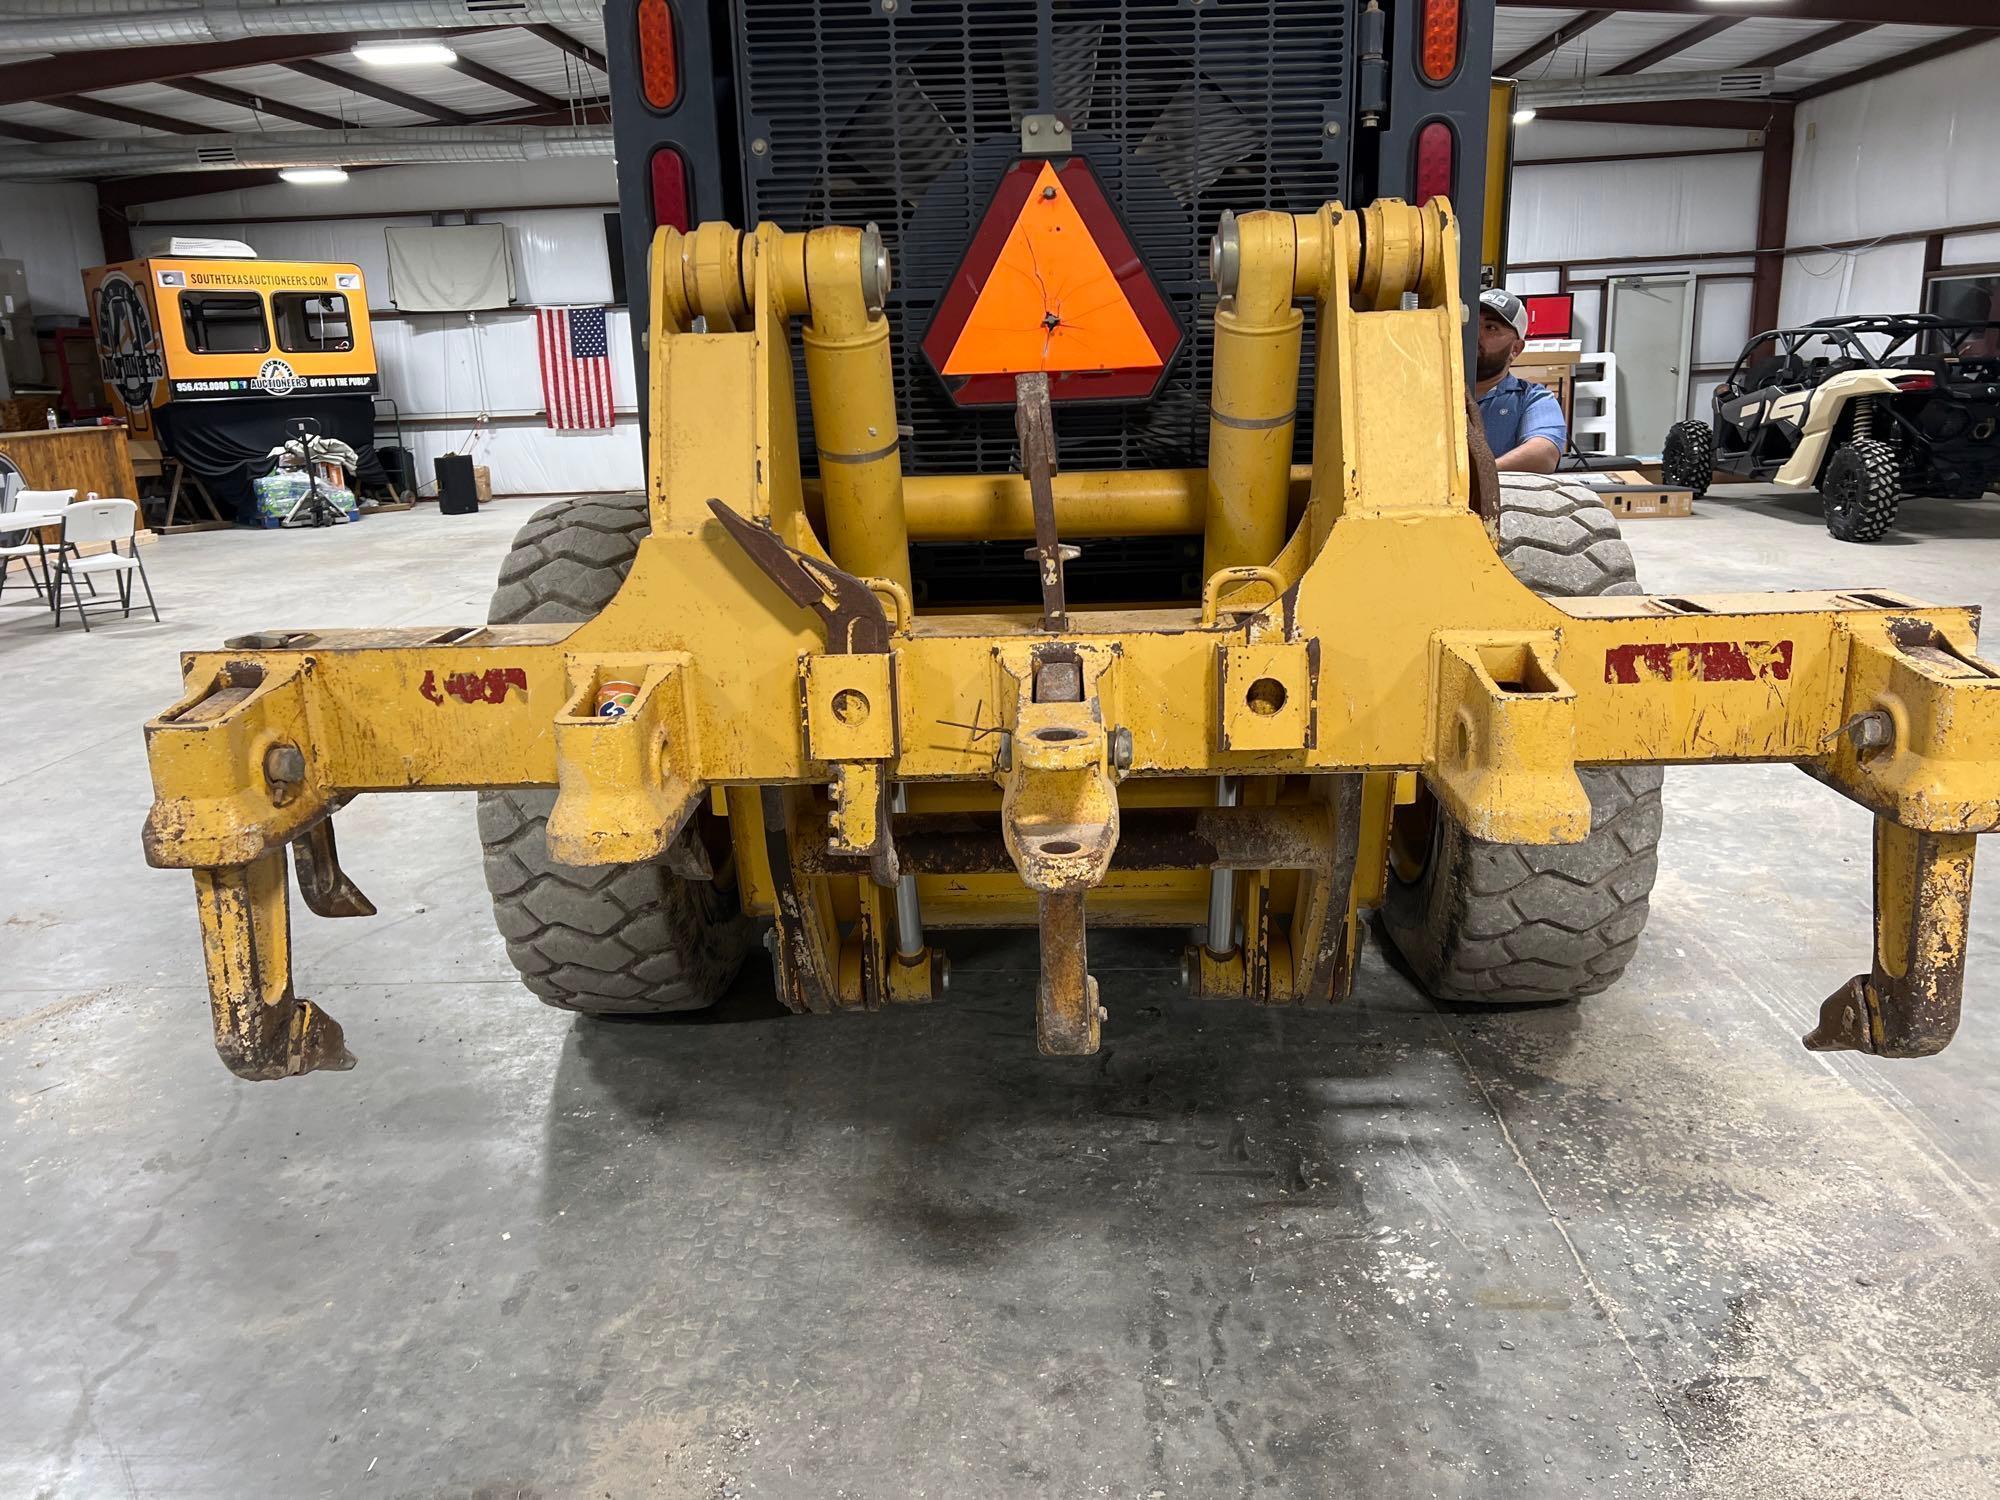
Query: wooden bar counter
x=84, y=459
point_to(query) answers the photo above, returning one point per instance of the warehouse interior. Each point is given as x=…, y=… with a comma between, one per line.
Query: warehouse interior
x=1635, y=1242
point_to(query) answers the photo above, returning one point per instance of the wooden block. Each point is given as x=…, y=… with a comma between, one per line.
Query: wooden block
x=1649, y=501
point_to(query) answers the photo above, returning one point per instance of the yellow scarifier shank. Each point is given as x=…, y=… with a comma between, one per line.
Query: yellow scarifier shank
x=866, y=775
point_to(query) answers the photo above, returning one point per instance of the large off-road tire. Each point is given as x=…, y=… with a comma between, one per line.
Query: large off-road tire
x=1687, y=459
x=1858, y=488
x=1508, y=923
x=609, y=939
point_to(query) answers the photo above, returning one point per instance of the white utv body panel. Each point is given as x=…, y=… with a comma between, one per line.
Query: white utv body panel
x=1824, y=404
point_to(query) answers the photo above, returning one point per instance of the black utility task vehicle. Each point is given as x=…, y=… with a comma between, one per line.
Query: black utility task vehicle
x=1863, y=409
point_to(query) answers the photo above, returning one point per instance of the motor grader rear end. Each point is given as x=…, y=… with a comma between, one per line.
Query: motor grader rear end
x=771, y=695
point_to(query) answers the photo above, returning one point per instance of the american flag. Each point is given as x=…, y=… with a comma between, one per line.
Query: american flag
x=576, y=366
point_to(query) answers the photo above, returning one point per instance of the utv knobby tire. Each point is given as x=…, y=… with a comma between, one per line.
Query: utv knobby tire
x=1511, y=923
x=606, y=939
x=1858, y=489
x=1687, y=458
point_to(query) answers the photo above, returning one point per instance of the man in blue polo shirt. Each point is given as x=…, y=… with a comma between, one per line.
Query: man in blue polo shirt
x=1524, y=421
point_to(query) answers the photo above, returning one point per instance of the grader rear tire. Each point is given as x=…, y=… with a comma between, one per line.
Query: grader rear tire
x=1508, y=923
x=611, y=939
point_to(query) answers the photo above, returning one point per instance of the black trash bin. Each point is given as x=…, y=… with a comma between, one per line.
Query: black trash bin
x=458, y=492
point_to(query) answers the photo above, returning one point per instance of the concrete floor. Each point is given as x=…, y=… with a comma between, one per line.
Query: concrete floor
x=1645, y=1247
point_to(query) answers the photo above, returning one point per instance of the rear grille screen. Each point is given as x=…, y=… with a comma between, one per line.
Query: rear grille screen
x=908, y=119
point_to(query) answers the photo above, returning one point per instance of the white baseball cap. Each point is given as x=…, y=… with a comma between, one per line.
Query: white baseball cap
x=1505, y=306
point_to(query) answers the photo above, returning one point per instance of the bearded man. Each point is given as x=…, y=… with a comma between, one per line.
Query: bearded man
x=1524, y=421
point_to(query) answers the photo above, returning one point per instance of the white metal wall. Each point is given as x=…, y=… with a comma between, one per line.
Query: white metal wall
x=1913, y=151
x=1910, y=151
x=446, y=371
x=51, y=227
x=1593, y=211
x=1583, y=215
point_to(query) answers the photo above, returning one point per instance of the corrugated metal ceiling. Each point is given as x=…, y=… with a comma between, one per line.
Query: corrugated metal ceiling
x=518, y=54
x=535, y=62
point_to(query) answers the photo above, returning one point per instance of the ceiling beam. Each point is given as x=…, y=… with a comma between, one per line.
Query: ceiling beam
x=556, y=37
x=145, y=119
x=222, y=94
x=1819, y=41
x=1980, y=14
x=39, y=134
x=321, y=73
x=1943, y=47
x=1714, y=114
x=495, y=80
x=158, y=187
x=1564, y=34
x=79, y=72
x=582, y=112
x=1674, y=45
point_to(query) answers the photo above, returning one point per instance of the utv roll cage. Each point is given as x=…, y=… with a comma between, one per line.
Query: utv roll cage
x=1845, y=334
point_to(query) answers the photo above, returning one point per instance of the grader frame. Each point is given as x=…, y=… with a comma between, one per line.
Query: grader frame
x=1240, y=761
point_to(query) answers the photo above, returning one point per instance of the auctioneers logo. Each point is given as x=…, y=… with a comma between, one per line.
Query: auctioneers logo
x=277, y=378
x=128, y=347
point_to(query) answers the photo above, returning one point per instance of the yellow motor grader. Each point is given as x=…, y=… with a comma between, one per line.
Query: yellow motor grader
x=821, y=682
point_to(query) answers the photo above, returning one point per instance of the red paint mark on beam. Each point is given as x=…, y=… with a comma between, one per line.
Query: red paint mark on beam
x=1700, y=661
x=489, y=686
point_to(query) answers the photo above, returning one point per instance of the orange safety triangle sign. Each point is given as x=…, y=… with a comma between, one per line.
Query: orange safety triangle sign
x=1051, y=283
x=1051, y=301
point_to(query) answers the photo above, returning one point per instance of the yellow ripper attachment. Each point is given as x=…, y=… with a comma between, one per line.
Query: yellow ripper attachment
x=1357, y=625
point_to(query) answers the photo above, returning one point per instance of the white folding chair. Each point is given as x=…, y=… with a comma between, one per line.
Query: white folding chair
x=22, y=515
x=111, y=522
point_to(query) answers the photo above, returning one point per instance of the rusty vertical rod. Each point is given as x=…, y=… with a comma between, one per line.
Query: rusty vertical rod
x=1066, y=1011
x=262, y=1029
x=909, y=914
x=1222, y=884
x=1034, y=427
x=1907, y=1005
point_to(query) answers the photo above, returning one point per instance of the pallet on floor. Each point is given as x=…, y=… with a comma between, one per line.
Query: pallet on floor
x=1629, y=495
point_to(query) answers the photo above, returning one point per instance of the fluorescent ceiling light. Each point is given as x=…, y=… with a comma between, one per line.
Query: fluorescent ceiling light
x=1522, y=116
x=403, y=54
x=313, y=176
x=1643, y=88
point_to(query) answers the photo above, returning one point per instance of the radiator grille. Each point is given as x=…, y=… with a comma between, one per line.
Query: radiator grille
x=908, y=119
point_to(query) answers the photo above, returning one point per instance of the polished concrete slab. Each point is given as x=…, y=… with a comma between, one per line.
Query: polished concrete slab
x=1644, y=1247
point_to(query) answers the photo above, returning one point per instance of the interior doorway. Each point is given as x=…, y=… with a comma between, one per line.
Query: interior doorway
x=1649, y=327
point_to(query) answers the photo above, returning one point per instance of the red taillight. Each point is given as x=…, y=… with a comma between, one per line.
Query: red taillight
x=670, y=189
x=659, y=63
x=1436, y=150
x=1439, y=50
x=1916, y=382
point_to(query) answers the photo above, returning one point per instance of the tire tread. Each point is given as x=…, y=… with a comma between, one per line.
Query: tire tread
x=604, y=939
x=1506, y=923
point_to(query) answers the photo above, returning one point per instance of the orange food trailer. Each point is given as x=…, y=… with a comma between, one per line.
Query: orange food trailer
x=213, y=356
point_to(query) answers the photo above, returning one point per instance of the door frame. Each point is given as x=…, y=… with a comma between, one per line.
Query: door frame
x=1686, y=279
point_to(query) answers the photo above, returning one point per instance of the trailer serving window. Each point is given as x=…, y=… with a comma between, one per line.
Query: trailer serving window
x=313, y=322
x=224, y=322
